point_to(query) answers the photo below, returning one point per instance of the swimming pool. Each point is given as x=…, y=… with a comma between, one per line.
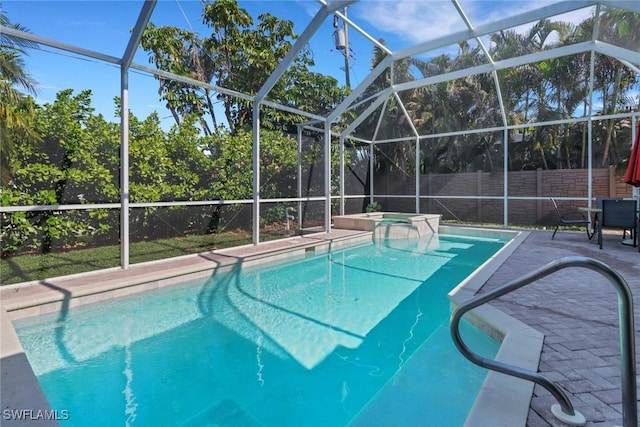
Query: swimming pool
x=339, y=338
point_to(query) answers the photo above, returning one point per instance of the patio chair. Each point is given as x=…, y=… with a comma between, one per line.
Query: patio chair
x=618, y=214
x=570, y=219
x=599, y=206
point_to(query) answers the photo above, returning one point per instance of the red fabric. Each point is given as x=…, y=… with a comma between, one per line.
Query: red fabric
x=632, y=177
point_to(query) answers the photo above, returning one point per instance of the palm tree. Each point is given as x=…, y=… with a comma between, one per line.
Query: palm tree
x=465, y=103
x=616, y=27
x=13, y=118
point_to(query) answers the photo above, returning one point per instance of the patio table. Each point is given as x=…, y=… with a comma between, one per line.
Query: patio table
x=592, y=211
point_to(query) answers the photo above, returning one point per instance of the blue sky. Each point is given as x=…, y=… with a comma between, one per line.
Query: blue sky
x=104, y=26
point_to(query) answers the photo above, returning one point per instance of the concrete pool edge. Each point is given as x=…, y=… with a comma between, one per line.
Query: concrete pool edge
x=489, y=408
x=67, y=292
x=20, y=390
x=502, y=400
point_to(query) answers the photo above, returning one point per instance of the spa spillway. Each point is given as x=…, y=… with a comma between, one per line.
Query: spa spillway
x=390, y=225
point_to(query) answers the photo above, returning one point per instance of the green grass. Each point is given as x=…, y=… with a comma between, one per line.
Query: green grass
x=24, y=268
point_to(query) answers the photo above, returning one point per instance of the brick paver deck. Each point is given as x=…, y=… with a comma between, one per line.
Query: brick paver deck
x=576, y=309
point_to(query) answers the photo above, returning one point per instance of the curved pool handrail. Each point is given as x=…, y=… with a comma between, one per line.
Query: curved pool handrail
x=565, y=412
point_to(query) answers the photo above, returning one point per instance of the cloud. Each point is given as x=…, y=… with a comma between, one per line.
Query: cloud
x=418, y=21
x=414, y=21
x=310, y=8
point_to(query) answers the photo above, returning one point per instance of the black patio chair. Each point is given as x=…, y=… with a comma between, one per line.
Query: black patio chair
x=570, y=219
x=599, y=206
x=618, y=214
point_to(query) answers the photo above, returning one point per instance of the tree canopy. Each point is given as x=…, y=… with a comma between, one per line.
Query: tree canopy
x=548, y=90
x=238, y=55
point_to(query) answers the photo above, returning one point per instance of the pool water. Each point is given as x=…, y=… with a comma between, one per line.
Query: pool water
x=357, y=336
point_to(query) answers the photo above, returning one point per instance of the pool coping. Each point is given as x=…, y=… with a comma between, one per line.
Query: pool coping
x=52, y=295
x=502, y=401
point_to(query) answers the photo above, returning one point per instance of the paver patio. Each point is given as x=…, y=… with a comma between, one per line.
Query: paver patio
x=576, y=309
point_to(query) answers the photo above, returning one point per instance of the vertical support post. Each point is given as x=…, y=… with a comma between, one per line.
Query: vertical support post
x=327, y=176
x=479, y=194
x=124, y=168
x=592, y=66
x=590, y=132
x=417, y=169
x=299, y=181
x=505, y=165
x=370, y=173
x=429, y=192
x=127, y=58
x=256, y=172
x=341, y=175
x=539, y=194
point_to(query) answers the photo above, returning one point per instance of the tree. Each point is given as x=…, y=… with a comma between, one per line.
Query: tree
x=238, y=55
x=181, y=52
x=61, y=166
x=612, y=76
x=76, y=160
x=167, y=166
x=14, y=112
x=232, y=177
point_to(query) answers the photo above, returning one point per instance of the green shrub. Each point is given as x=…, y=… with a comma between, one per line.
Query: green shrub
x=373, y=207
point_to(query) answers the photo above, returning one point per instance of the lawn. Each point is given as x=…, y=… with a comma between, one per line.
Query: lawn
x=28, y=267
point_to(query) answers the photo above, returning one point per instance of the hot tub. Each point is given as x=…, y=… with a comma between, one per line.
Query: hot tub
x=390, y=225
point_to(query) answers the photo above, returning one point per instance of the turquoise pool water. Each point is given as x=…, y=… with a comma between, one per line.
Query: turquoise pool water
x=357, y=336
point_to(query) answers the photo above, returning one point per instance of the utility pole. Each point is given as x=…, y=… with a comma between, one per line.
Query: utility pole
x=341, y=39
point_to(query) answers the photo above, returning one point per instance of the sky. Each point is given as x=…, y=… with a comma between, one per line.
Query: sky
x=104, y=26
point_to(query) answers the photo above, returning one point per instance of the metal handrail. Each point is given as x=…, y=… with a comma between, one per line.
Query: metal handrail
x=627, y=337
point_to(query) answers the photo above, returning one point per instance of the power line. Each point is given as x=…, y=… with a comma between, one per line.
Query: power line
x=185, y=15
